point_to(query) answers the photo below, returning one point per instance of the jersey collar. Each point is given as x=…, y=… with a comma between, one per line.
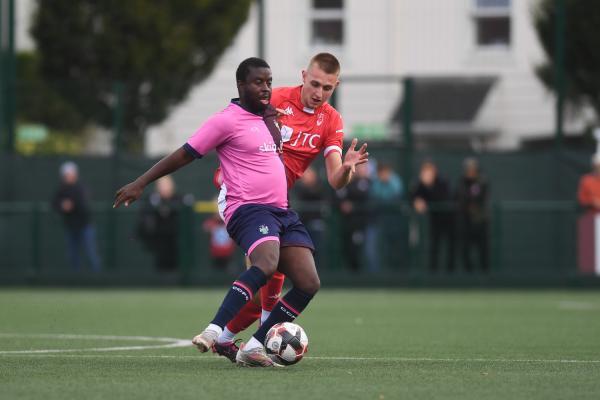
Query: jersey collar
x=298, y=101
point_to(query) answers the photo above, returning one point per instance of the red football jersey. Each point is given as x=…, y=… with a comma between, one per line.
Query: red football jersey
x=305, y=131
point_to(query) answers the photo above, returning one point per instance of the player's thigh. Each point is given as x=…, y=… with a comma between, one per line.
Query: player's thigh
x=298, y=264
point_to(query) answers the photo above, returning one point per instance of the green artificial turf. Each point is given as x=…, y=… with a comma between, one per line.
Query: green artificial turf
x=363, y=344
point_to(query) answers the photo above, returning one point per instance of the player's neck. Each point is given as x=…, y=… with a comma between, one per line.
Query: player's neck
x=248, y=108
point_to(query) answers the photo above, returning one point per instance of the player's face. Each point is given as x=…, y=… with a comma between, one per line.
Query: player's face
x=317, y=86
x=255, y=91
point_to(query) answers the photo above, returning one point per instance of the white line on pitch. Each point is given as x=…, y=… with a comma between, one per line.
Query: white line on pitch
x=170, y=343
x=174, y=342
x=577, y=305
x=395, y=359
x=88, y=337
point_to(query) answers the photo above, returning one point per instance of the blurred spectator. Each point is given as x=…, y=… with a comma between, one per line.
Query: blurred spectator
x=71, y=200
x=158, y=225
x=311, y=193
x=384, y=233
x=352, y=203
x=387, y=187
x=472, y=195
x=588, y=193
x=432, y=195
x=222, y=247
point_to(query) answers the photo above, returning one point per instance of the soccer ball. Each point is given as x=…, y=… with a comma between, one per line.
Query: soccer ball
x=287, y=342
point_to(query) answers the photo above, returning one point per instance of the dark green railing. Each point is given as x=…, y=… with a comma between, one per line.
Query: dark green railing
x=526, y=239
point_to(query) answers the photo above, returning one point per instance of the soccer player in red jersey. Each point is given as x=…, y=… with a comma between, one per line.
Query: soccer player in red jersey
x=309, y=126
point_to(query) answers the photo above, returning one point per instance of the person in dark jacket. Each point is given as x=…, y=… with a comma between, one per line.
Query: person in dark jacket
x=432, y=195
x=71, y=200
x=158, y=226
x=472, y=195
x=352, y=202
x=311, y=194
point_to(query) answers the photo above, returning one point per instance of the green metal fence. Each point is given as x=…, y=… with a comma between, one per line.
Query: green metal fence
x=528, y=240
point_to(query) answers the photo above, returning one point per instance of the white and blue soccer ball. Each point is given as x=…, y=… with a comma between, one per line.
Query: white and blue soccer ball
x=286, y=342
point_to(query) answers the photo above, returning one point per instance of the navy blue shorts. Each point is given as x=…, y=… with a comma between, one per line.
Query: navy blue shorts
x=252, y=224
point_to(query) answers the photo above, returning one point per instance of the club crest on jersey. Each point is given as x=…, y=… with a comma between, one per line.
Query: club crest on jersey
x=320, y=119
x=263, y=229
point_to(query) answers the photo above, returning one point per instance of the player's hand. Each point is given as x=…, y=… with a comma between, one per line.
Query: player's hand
x=67, y=205
x=128, y=194
x=420, y=205
x=355, y=157
x=280, y=114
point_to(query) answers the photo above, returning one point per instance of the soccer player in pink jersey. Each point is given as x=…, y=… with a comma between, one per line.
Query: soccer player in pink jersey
x=248, y=144
x=309, y=126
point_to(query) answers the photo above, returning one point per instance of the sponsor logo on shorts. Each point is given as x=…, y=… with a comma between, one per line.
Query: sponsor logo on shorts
x=263, y=229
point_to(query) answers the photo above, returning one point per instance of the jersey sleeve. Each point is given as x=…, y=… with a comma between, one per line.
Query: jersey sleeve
x=215, y=131
x=335, y=135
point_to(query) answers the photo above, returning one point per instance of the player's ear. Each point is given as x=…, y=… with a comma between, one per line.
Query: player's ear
x=303, y=76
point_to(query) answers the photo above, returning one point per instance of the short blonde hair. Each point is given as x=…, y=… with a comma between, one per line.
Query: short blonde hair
x=327, y=62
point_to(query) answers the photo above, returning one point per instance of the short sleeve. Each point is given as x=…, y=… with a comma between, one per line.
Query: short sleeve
x=215, y=131
x=335, y=135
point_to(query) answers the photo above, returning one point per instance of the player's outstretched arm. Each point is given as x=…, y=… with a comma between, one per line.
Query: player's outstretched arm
x=171, y=163
x=339, y=173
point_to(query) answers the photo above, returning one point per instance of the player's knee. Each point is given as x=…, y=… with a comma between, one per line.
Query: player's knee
x=267, y=263
x=311, y=286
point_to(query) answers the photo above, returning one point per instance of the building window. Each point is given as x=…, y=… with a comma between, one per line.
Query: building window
x=492, y=23
x=327, y=22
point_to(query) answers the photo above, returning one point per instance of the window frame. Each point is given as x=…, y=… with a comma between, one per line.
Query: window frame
x=480, y=13
x=326, y=14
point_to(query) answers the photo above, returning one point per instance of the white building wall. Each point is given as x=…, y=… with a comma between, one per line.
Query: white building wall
x=24, y=10
x=392, y=38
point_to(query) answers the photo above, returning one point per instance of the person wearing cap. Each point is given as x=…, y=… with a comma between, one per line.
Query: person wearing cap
x=473, y=215
x=71, y=200
x=588, y=193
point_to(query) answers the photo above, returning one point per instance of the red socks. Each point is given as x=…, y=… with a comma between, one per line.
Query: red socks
x=269, y=295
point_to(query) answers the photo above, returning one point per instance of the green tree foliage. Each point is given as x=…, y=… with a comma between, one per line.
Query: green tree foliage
x=158, y=50
x=582, y=41
x=38, y=102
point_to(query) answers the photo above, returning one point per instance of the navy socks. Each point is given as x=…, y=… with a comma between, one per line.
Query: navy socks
x=241, y=292
x=286, y=310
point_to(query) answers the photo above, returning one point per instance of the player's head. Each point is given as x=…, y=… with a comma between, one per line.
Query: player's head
x=471, y=167
x=428, y=172
x=69, y=172
x=165, y=187
x=384, y=172
x=254, y=79
x=320, y=79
